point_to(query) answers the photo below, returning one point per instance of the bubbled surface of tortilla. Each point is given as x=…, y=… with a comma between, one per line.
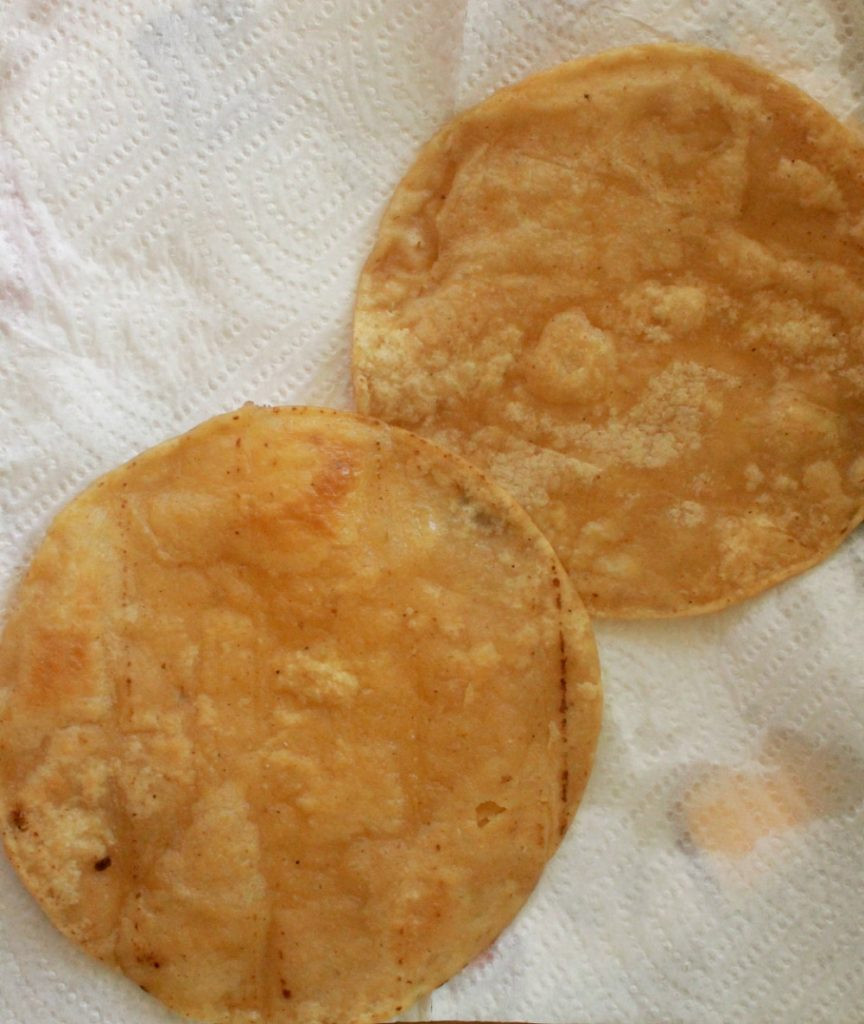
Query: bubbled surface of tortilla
x=293, y=710
x=631, y=288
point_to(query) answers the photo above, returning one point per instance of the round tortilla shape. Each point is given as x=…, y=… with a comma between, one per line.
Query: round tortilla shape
x=295, y=708
x=631, y=289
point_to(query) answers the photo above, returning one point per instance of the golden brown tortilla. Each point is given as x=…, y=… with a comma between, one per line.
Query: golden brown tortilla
x=293, y=710
x=631, y=288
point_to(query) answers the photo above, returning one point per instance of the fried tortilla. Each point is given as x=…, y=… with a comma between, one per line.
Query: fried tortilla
x=631, y=289
x=293, y=711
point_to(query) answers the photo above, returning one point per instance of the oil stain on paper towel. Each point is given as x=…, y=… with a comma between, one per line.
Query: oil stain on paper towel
x=727, y=811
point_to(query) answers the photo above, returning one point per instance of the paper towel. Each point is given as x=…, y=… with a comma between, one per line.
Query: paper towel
x=188, y=192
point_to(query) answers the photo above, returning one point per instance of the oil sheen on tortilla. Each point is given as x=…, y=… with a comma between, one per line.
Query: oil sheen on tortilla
x=631, y=289
x=295, y=708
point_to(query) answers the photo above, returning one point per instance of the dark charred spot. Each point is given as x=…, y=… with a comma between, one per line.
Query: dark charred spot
x=485, y=520
x=17, y=818
x=102, y=864
x=286, y=993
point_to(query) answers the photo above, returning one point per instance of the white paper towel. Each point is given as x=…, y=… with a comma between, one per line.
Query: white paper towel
x=187, y=192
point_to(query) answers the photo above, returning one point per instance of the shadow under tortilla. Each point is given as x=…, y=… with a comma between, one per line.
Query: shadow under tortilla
x=848, y=18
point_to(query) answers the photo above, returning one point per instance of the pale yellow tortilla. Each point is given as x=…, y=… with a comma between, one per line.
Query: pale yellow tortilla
x=631, y=288
x=293, y=710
